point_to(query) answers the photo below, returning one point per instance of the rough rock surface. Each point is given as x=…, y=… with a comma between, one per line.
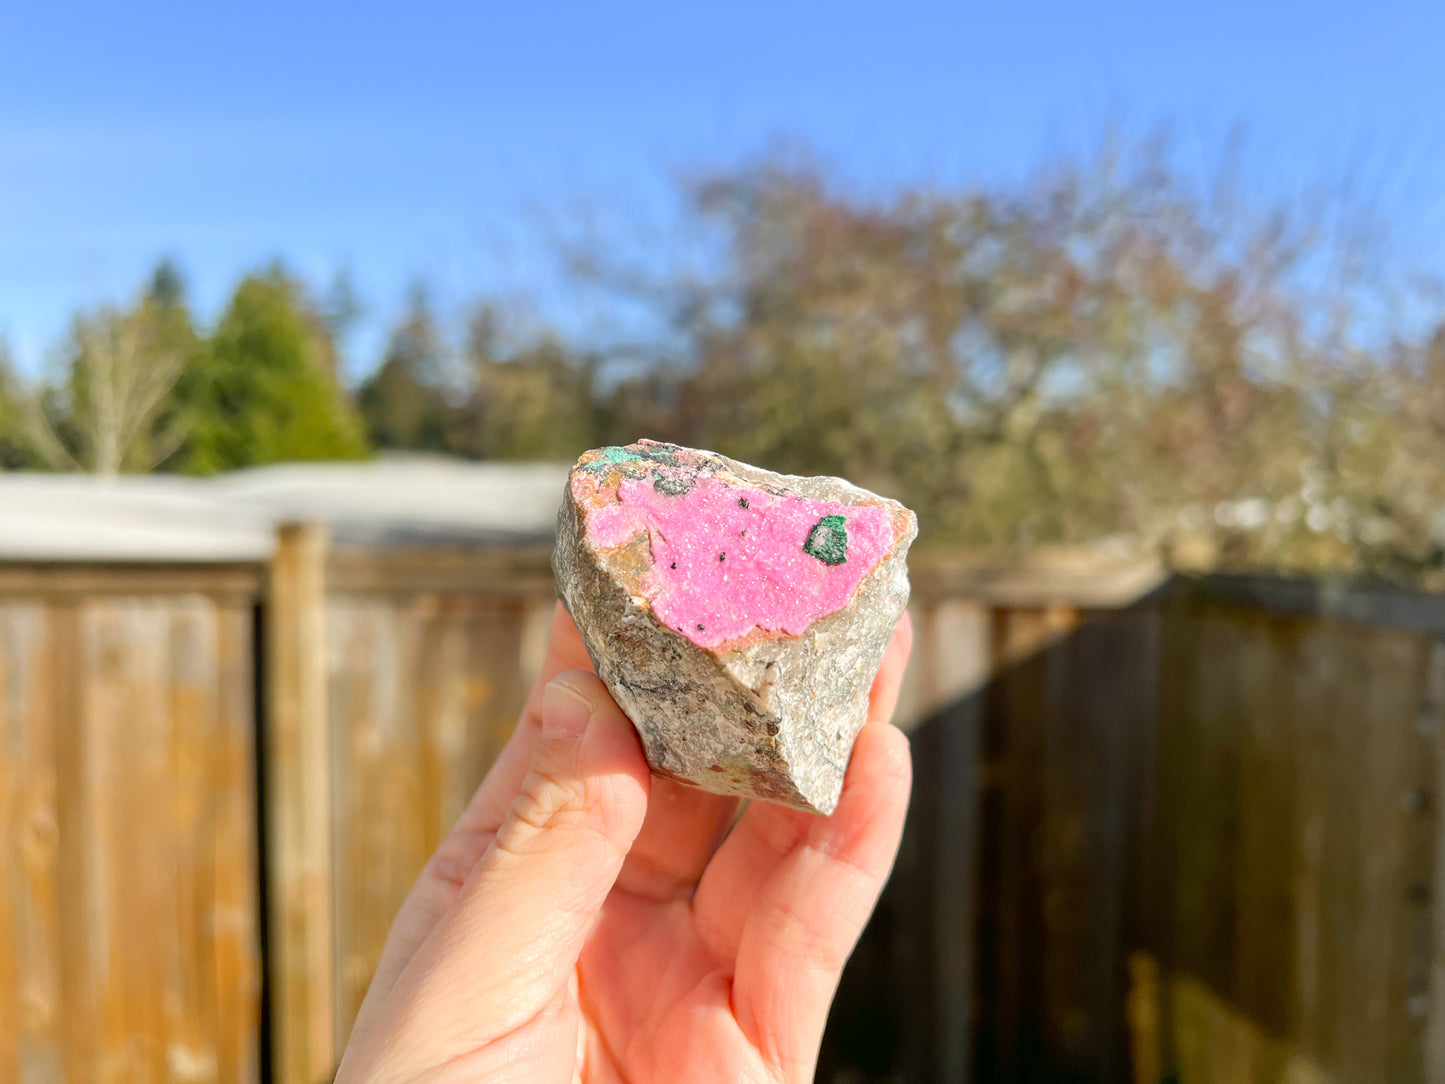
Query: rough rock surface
x=738, y=616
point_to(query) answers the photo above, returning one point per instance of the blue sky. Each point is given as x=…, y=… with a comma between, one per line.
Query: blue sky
x=437, y=139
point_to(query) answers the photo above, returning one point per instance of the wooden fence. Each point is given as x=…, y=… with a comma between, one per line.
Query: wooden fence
x=128, y=893
x=1193, y=837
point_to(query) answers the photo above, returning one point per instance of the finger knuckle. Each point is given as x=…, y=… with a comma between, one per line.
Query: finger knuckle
x=547, y=807
x=453, y=861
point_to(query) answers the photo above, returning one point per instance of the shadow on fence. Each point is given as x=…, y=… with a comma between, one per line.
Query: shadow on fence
x=1193, y=839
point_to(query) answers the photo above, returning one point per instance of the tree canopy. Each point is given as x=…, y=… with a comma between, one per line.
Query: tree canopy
x=1103, y=350
x=405, y=401
x=265, y=388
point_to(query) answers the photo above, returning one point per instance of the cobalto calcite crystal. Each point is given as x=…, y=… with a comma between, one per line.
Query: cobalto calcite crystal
x=736, y=615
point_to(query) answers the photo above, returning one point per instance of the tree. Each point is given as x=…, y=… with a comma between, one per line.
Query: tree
x=15, y=446
x=405, y=403
x=1104, y=349
x=110, y=410
x=165, y=311
x=264, y=389
x=531, y=402
x=167, y=288
x=343, y=305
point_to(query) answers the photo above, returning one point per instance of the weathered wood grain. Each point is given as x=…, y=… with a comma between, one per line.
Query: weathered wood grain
x=425, y=689
x=113, y=723
x=298, y=779
x=31, y=1003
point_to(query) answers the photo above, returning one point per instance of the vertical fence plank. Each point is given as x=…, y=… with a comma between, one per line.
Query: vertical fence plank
x=375, y=806
x=1319, y=738
x=15, y=764
x=1396, y=662
x=298, y=796
x=1263, y=810
x=191, y=987
x=1155, y=959
x=80, y=914
x=31, y=1006
x=131, y=841
x=494, y=673
x=959, y=650
x=1346, y=972
x=1018, y=837
x=353, y=702
x=425, y=690
x=233, y=902
x=1433, y=718
x=1116, y=673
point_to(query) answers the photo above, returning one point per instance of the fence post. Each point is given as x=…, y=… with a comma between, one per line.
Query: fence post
x=298, y=811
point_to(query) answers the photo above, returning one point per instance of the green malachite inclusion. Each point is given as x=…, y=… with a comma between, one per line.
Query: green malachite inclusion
x=828, y=541
x=669, y=475
x=614, y=457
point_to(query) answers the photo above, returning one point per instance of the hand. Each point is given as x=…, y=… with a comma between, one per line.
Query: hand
x=587, y=922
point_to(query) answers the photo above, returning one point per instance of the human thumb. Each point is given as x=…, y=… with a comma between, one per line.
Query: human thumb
x=513, y=935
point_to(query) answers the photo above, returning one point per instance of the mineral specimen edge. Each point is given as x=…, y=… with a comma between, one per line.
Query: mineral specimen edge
x=737, y=616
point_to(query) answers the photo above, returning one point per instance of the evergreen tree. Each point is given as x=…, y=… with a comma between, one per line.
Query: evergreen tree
x=264, y=390
x=167, y=286
x=165, y=313
x=536, y=402
x=15, y=450
x=404, y=403
x=343, y=306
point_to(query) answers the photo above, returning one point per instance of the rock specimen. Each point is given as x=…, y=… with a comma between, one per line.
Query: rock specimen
x=737, y=616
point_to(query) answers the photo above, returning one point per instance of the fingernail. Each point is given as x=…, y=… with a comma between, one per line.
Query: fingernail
x=565, y=712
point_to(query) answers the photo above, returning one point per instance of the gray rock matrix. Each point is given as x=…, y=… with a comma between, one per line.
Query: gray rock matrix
x=775, y=718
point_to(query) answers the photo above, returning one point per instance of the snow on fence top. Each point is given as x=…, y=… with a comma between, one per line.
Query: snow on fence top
x=164, y=518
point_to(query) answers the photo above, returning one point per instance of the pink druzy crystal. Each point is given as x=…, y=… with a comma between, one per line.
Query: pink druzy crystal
x=728, y=559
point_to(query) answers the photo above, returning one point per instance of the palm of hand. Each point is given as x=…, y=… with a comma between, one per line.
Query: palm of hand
x=557, y=934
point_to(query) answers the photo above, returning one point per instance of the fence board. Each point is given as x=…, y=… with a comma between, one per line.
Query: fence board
x=958, y=645
x=1431, y=723
x=1318, y=750
x=30, y=991
x=233, y=895
x=79, y=1013
x=1396, y=687
x=376, y=824
x=425, y=689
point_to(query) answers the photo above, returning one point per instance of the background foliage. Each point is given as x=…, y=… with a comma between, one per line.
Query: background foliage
x=1102, y=351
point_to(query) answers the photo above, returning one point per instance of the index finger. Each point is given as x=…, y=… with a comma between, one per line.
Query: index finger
x=488, y=806
x=883, y=696
x=458, y=854
x=766, y=834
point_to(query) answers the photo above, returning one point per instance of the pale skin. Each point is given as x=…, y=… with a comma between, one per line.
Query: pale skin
x=585, y=921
